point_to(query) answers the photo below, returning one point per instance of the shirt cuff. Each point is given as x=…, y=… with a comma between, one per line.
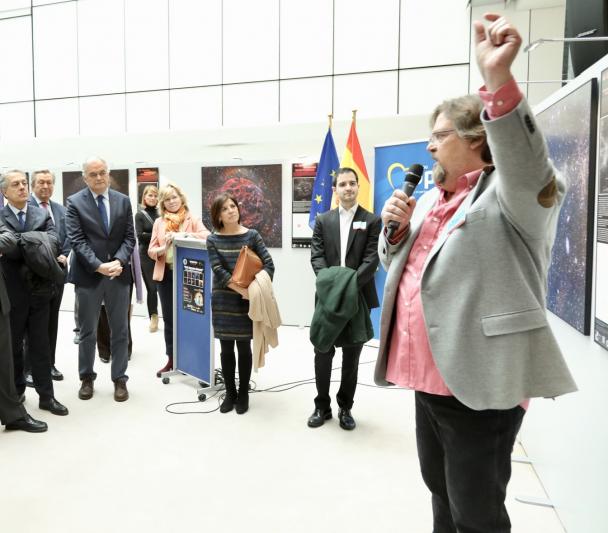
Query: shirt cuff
x=503, y=101
x=396, y=238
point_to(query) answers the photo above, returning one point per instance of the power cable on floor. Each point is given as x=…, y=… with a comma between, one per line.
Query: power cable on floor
x=281, y=387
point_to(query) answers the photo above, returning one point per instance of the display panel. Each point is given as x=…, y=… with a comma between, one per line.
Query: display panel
x=303, y=178
x=600, y=334
x=258, y=190
x=145, y=176
x=570, y=127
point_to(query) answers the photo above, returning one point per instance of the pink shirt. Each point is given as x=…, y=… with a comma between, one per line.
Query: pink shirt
x=410, y=360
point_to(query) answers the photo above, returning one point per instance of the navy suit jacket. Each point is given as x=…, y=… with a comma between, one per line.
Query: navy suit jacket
x=59, y=217
x=88, y=239
x=36, y=219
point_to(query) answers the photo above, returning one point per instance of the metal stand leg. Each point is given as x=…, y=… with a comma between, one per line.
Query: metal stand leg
x=530, y=500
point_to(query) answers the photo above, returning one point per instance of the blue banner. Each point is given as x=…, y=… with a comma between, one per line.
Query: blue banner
x=391, y=164
x=322, y=188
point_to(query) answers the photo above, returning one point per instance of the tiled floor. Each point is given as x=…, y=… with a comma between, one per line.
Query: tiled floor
x=135, y=467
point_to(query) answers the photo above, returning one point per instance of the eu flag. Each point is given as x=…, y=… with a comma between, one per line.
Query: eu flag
x=322, y=190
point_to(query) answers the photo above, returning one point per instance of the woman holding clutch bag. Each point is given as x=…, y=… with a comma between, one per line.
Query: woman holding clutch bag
x=175, y=220
x=229, y=305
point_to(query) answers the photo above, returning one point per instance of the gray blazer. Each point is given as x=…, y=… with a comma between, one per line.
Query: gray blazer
x=483, y=287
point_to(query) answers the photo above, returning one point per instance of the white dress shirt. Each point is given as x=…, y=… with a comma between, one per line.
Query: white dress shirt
x=346, y=220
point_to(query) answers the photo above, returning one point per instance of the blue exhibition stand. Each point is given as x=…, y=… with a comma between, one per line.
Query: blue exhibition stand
x=193, y=342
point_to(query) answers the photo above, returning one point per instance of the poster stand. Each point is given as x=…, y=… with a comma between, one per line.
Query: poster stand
x=193, y=342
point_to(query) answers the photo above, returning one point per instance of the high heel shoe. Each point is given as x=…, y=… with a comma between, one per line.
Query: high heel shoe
x=166, y=368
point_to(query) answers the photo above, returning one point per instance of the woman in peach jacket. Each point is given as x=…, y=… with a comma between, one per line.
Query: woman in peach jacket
x=175, y=221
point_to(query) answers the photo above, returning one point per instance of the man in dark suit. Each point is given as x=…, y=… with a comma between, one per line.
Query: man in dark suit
x=29, y=304
x=346, y=236
x=12, y=413
x=43, y=185
x=99, y=224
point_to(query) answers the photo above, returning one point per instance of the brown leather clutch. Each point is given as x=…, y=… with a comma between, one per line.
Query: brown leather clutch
x=247, y=266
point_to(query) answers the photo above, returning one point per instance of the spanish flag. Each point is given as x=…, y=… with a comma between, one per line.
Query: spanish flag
x=353, y=158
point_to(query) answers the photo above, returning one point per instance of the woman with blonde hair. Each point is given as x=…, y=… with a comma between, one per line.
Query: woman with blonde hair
x=175, y=220
x=144, y=220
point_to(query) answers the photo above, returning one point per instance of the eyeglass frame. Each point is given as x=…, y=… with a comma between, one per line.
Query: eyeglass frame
x=437, y=137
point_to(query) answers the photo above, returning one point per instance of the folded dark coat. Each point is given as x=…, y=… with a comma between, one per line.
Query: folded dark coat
x=341, y=316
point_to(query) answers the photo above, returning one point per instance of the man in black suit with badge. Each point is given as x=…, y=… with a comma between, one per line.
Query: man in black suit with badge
x=348, y=237
x=29, y=294
x=99, y=223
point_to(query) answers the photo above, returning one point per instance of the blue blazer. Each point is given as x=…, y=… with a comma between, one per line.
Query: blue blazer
x=88, y=239
x=36, y=219
x=59, y=216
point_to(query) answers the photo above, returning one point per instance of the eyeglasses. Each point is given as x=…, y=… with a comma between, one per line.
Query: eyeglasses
x=437, y=137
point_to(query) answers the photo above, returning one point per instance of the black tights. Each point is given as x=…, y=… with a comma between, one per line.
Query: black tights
x=228, y=359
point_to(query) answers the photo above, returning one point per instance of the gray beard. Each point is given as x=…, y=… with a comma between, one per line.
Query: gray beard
x=438, y=174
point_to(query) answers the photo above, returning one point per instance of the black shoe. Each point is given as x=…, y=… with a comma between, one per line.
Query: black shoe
x=227, y=404
x=105, y=358
x=27, y=423
x=53, y=406
x=55, y=374
x=242, y=403
x=29, y=380
x=346, y=419
x=318, y=418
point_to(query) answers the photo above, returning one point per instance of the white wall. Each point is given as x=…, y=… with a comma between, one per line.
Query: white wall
x=97, y=67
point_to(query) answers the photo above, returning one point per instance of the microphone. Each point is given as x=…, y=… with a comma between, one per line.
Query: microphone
x=412, y=178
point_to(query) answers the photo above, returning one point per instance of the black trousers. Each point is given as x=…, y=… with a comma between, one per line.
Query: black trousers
x=348, y=382
x=11, y=408
x=465, y=459
x=30, y=317
x=147, y=270
x=228, y=360
x=165, y=291
x=54, y=307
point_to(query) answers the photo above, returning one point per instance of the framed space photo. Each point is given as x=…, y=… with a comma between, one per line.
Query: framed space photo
x=570, y=127
x=257, y=188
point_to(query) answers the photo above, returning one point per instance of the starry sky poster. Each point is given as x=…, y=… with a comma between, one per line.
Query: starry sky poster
x=570, y=128
x=259, y=193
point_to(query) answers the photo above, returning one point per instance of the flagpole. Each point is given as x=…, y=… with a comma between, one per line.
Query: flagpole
x=354, y=116
x=331, y=118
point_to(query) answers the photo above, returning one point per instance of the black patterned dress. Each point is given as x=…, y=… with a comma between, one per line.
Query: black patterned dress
x=229, y=311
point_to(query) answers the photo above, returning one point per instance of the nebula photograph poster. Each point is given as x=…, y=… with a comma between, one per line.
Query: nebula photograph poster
x=258, y=191
x=570, y=127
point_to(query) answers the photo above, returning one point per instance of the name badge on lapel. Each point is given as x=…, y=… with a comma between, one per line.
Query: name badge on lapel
x=359, y=224
x=458, y=219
